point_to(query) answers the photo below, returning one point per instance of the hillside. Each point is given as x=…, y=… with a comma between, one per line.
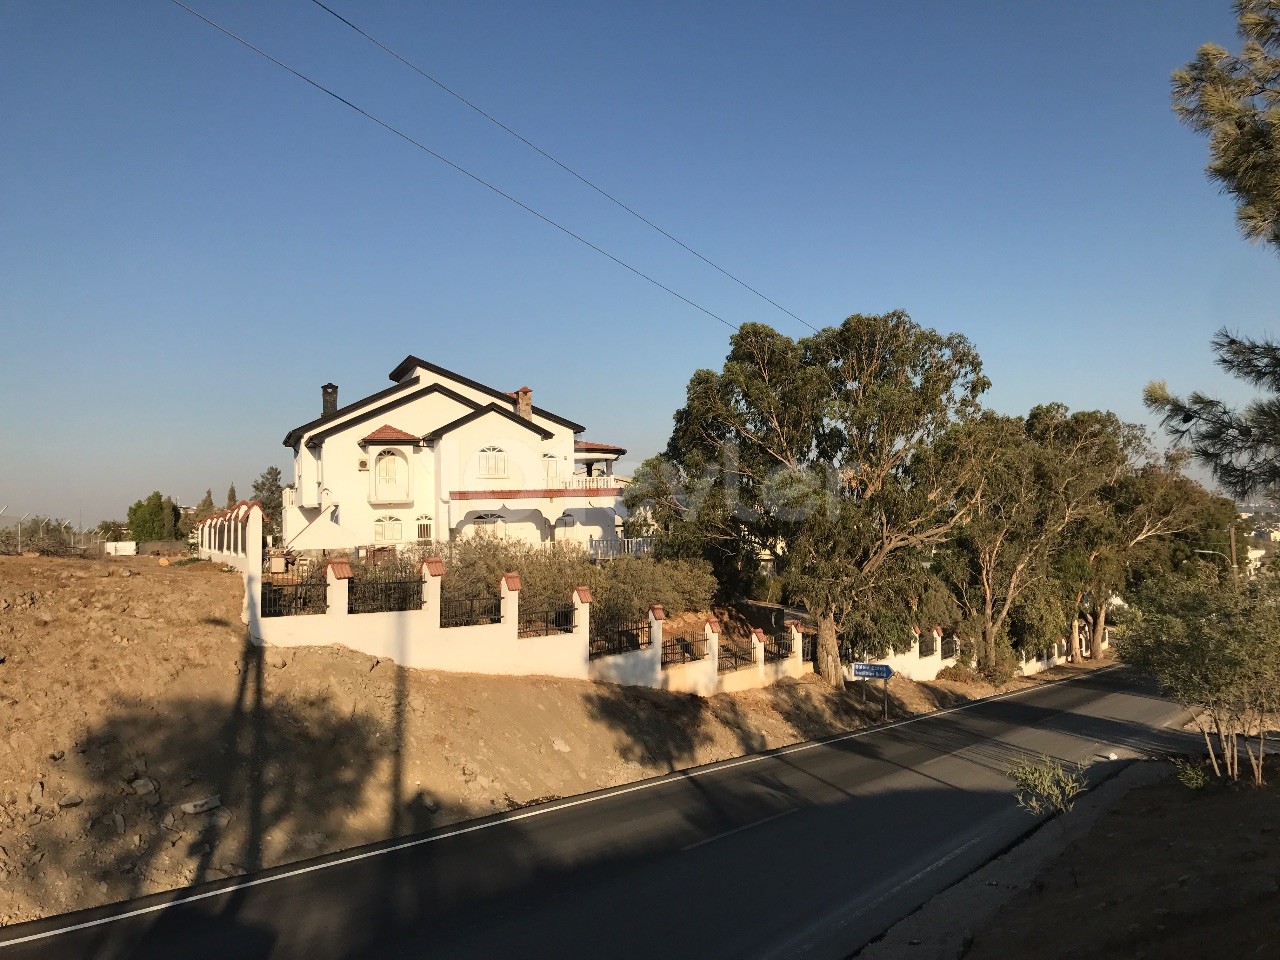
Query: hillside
x=128, y=691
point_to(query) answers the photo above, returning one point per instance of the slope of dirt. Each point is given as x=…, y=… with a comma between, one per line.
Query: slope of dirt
x=1168, y=874
x=128, y=692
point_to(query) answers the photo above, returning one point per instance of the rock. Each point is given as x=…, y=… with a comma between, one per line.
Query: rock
x=36, y=793
x=219, y=818
x=143, y=786
x=168, y=822
x=277, y=660
x=126, y=573
x=118, y=821
x=560, y=745
x=70, y=800
x=142, y=613
x=57, y=755
x=104, y=572
x=33, y=819
x=200, y=806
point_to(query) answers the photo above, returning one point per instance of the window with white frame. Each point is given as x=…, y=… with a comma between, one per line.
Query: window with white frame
x=391, y=477
x=387, y=530
x=551, y=465
x=424, y=528
x=493, y=462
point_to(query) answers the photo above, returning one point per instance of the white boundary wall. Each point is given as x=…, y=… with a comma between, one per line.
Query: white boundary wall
x=234, y=537
x=415, y=638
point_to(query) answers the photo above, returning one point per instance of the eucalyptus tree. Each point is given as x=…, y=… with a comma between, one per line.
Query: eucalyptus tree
x=825, y=453
x=1041, y=476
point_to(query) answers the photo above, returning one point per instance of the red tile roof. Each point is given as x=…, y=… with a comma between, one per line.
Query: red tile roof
x=388, y=434
x=512, y=581
x=587, y=446
x=434, y=566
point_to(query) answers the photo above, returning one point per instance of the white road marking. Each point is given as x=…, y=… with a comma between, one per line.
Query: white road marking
x=527, y=814
x=745, y=826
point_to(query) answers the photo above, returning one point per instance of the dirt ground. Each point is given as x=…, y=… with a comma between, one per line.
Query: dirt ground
x=128, y=692
x=1168, y=874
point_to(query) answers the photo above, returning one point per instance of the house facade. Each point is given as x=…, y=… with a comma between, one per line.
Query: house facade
x=438, y=456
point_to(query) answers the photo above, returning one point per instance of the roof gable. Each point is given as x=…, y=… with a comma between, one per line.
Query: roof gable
x=485, y=411
x=389, y=434
x=293, y=436
x=320, y=436
x=410, y=362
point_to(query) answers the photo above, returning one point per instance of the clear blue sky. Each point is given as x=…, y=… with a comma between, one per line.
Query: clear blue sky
x=192, y=241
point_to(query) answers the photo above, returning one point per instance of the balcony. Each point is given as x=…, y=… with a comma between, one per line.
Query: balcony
x=612, y=548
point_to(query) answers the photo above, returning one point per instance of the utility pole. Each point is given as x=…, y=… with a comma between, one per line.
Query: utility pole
x=1235, y=570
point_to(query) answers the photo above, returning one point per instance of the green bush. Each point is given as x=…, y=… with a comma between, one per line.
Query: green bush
x=960, y=673
x=1191, y=773
x=622, y=589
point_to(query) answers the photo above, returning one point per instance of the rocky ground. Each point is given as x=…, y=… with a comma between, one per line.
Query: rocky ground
x=147, y=745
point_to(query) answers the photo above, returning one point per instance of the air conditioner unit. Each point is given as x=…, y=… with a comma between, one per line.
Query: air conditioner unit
x=362, y=464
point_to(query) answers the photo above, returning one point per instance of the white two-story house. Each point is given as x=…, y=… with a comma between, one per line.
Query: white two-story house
x=438, y=456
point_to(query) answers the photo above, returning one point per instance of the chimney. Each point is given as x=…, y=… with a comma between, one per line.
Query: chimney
x=329, y=399
x=524, y=403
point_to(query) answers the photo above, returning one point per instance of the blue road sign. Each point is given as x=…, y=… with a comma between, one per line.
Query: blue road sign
x=873, y=671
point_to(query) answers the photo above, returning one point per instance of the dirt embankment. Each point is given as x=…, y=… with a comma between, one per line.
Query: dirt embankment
x=1168, y=874
x=130, y=700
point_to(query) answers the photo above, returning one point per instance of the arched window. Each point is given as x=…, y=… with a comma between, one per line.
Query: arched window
x=551, y=465
x=493, y=462
x=424, y=528
x=387, y=529
x=391, y=477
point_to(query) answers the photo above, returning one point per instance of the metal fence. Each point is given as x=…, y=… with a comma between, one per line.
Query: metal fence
x=928, y=644
x=546, y=623
x=808, y=647
x=619, y=639
x=383, y=596
x=732, y=658
x=470, y=611
x=948, y=648
x=684, y=649
x=777, y=648
x=290, y=597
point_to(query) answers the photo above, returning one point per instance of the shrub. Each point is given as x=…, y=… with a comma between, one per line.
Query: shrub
x=1191, y=773
x=960, y=673
x=1045, y=786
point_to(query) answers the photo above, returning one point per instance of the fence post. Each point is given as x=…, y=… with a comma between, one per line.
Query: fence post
x=711, y=631
x=581, y=599
x=510, y=592
x=253, y=569
x=337, y=574
x=797, y=639
x=432, y=572
x=656, y=615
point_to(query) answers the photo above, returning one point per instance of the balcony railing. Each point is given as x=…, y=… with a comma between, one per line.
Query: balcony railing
x=612, y=548
x=600, y=482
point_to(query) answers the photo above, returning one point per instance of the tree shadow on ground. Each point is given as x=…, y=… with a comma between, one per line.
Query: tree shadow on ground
x=286, y=774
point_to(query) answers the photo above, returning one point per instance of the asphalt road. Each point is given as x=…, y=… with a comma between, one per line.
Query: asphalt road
x=809, y=851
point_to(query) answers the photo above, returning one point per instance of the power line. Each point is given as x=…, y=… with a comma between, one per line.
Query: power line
x=445, y=160
x=563, y=166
